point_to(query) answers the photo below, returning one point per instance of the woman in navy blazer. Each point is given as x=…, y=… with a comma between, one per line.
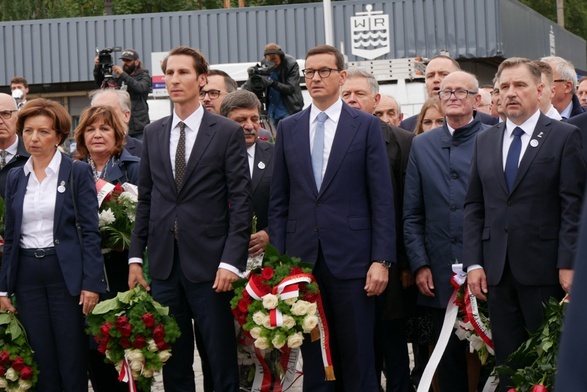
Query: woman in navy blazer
x=55, y=278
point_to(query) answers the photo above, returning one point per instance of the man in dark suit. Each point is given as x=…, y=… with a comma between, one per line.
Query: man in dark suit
x=332, y=205
x=522, y=210
x=12, y=151
x=580, y=121
x=361, y=91
x=244, y=108
x=194, y=213
x=565, y=78
x=119, y=101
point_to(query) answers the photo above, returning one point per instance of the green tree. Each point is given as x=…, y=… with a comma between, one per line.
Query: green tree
x=575, y=13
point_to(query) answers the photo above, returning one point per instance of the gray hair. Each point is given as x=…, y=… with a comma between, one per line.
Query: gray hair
x=399, y=107
x=472, y=76
x=356, y=72
x=123, y=97
x=240, y=99
x=563, y=68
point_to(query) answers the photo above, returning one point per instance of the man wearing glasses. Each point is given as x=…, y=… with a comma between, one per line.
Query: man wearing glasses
x=218, y=86
x=332, y=205
x=436, y=184
x=12, y=151
x=565, y=78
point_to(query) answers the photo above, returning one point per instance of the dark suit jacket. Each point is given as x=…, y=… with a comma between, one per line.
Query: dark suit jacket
x=213, y=207
x=261, y=181
x=536, y=225
x=580, y=121
x=17, y=161
x=351, y=217
x=577, y=108
x=134, y=146
x=410, y=122
x=82, y=267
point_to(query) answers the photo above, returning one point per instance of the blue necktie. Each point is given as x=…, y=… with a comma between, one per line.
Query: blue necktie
x=513, y=159
x=318, y=149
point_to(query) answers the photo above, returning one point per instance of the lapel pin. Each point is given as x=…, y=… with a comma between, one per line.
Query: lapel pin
x=540, y=134
x=261, y=165
x=61, y=187
x=534, y=142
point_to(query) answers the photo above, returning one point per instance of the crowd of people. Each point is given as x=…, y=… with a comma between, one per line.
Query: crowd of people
x=492, y=177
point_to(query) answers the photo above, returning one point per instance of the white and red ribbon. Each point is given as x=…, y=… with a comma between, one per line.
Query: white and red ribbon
x=125, y=375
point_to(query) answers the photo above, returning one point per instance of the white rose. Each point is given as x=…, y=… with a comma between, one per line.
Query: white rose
x=255, y=332
x=128, y=196
x=135, y=355
x=136, y=366
x=258, y=318
x=290, y=301
x=24, y=384
x=300, y=308
x=152, y=346
x=312, y=308
x=11, y=374
x=164, y=355
x=106, y=217
x=270, y=301
x=288, y=321
x=107, y=355
x=267, y=323
x=309, y=323
x=135, y=375
x=278, y=341
x=147, y=373
x=295, y=340
x=262, y=343
x=3, y=383
x=118, y=366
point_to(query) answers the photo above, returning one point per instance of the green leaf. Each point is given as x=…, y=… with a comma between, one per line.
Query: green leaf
x=106, y=306
x=126, y=296
x=14, y=329
x=4, y=318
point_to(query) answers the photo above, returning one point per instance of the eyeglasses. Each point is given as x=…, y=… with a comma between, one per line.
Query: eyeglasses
x=444, y=95
x=323, y=72
x=559, y=80
x=213, y=94
x=6, y=114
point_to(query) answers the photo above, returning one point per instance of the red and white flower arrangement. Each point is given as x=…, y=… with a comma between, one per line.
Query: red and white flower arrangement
x=134, y=333
x=18, y=371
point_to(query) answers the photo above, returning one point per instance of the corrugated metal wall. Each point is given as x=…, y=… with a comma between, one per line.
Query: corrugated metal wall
x=63, y=50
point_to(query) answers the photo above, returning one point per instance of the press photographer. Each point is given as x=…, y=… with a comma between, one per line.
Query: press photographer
x=131, y=77
x=276, y=81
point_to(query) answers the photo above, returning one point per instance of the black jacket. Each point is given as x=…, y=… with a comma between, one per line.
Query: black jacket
x=288, y=84
x=138, y=85
x=17, y=161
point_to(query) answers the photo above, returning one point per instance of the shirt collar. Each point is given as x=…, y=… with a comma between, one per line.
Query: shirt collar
x=192, y=121
x=567, y=112
x=53, y=166
x=452, y=130
x=528, y=126
x=13, y=148
x=333, y=111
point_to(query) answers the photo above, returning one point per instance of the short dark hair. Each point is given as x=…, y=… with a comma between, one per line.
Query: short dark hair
x=517, y=61
x=229, y=83
x=327, y=49
x=240, y=99
x=200, y=64
x=105, y=113
x=48, y=108
x=19, y=80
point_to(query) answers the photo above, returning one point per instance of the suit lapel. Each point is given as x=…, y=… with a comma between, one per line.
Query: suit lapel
x=301, y=140
x=163, y=145
x=345, y=134
x=63, y=178
x=261, y=155
x=497, y=154
x=540, y=134
x=205, y=135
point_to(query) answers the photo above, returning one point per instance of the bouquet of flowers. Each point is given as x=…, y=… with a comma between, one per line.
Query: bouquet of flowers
x=18, y=371
x=539, y=353
x=135, y=333
x=472, y=324
x=117, y=215
x=277, y=305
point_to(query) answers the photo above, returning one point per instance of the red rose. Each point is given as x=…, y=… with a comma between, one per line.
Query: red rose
x=102, y=347
x=159, y=334
x=242, y=319
x=512, y=390
x=126, y=331
x=148, y=320
x=296, y=271
x=4, y=357
x=26, y=373
x=162, y=346
x=264, y=138
x=121, y=321
x=107, y=198
x=2, y=371
x=246, y=294
x=539, y=388
x=139, y=342
x=18, y=364
x=243, y=304
x=310, y=297
x=267, y=273
x=124, y=342
x=118, y=187
x=105, y=329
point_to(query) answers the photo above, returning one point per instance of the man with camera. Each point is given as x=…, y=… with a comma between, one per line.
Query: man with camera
x=276, y=81
x=131, y=77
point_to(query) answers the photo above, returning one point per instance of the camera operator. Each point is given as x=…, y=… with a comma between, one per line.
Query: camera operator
x=136, y=80
x=279, y=77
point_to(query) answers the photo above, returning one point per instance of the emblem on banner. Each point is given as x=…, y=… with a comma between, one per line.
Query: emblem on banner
x=370, y=36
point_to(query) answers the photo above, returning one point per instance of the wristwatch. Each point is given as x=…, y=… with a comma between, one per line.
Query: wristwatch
x=385, y=263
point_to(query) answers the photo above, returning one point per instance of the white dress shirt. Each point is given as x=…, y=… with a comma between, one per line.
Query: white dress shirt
x=251, y=154
x=553, y=113
x=330, y=125
x=11, y=150
x=38, y=214
x=192, y=126
x=566, y=114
